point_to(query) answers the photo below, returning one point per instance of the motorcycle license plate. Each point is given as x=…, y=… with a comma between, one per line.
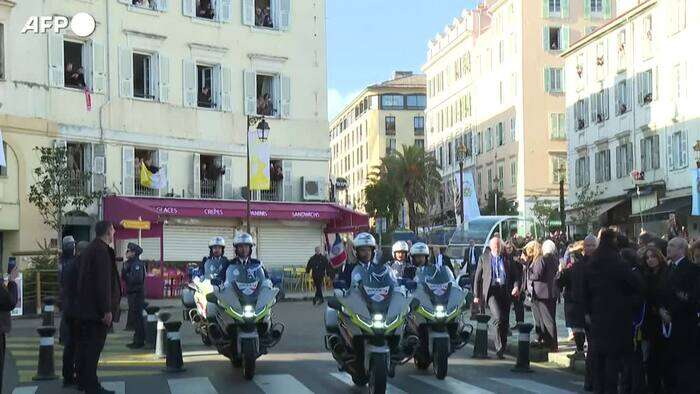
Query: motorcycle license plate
x=377, y=294
x=438, y=289
x=247, y=288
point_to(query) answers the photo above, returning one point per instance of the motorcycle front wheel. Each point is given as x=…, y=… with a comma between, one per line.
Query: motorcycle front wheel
x=440, y=354
x=248, y=354
x=378, y=373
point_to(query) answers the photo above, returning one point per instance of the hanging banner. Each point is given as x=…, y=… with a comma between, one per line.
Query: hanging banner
x=695, y=186
x=259, y=163
x=470, y=203
x=3, y=162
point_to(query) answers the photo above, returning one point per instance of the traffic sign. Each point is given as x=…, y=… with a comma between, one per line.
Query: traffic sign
x=136, y=224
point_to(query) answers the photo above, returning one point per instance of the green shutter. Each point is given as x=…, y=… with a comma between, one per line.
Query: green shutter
x=607, y=9
x=587, y=9
x=545, y=9
x=565, y=38
x=546, y=80
x=564, y=8
x=545, y=38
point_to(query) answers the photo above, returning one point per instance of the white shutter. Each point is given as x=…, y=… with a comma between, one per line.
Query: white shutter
x=288, y=245
x=226, y=88
x=185, y=243
x=684, y=149
x=99, y=170
x=163, y=78
x=188, y=7
x=99, y=71
x=56, y=62
x=226, y=10
x=285, y=14
x=163, y=158
x=249, y=100
x=196, y=176
x=128, y=176
x=162, y=5
x=545, y=38
x=216, y=86
x=285, y=96
x=248, y=12
x=126, y=72
x=288, y=182
x=189, y=83
x=565, y=33
x=228, y=177
x=669, y=152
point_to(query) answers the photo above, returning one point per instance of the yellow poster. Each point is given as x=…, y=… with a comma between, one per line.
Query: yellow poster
x=259, y=163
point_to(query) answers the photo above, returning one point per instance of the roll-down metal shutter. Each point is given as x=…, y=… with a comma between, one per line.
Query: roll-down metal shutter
x=191, y=243
x=282, y=245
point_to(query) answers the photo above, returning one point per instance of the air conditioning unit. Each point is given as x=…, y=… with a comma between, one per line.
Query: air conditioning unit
x=313, y=189
x=98, y=165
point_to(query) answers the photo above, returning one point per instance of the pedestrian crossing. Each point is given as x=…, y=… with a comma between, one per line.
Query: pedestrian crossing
x=323, y=382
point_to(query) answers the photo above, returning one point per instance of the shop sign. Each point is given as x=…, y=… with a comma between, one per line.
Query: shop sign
x=341, y=183
x=259, y=213
x=308, y=215
x=213, y=212
x=136, y=224
x=167, y=210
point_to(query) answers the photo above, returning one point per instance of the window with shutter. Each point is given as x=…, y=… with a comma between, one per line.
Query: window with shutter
x=163, y=78
x=128, y=170
x=189, y=83
x=126, y=72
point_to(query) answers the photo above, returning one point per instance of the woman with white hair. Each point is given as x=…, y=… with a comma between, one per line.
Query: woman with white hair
x=542, y=273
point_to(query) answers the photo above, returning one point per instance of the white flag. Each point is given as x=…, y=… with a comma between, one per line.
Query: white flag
x=3, y=163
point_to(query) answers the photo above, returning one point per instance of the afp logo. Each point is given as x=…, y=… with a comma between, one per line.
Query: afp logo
x=82, y=24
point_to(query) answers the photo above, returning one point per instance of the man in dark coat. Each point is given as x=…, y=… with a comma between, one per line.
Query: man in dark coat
x=317, y=266
x=679, y=314
x=442, y=259
x=472, y=253
x=8, y=302
x=608, y=290
x=99, y=293
x=135, y=279
x=70, y=325
x=494, y=285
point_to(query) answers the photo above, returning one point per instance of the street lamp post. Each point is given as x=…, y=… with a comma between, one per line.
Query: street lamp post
x=495, y=194
x=696, y=148
x=461, y=154
x=263, y=130
x=562, y=215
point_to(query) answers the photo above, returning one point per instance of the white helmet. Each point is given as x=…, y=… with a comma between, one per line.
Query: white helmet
x=364, y=239
x=243, y=239
x=217, y=241
x=399, y=246
x=420, y=249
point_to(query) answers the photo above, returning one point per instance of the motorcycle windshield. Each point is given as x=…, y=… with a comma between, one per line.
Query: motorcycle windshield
x=438, y=283
x=377, y=290
x=247, y=289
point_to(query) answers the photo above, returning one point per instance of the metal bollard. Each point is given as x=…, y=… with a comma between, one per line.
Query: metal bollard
x=522, y=364
x=481, y=338
x=161, y=338
x=173, y=360
x=45, y=369
x=47, y=312
x=151, y=326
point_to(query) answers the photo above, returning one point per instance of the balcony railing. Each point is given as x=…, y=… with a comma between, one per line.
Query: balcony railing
x=78, y=180
x=141, y=190
x=275, y=192
x=208, y=189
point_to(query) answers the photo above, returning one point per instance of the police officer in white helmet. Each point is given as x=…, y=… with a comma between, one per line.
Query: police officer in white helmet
x=243, y=263
x=399, y=254
x=365, y=248
x=213, y=264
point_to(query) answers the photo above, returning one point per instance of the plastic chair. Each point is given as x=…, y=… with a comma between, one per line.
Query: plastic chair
x=300, y=273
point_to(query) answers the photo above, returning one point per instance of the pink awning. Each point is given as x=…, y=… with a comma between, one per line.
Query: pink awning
x=156, y=210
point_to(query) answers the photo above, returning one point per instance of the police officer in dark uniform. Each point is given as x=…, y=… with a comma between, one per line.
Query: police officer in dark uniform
x=135, y=277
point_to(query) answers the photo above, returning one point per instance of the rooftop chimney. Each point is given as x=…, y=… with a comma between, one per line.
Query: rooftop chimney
x=402, y=74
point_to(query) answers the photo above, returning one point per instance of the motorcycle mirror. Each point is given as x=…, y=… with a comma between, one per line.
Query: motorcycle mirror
x=463, y=281
x=333, y=303
x=411, y=285
x=339, y=284
x=211, y=297
x=414, y=303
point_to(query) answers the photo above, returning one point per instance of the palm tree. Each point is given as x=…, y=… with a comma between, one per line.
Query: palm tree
x=415, y=173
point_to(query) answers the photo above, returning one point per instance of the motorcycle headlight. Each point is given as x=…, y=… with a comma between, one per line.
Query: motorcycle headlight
x=248, y=312
x=440, y=312
x=378, y=321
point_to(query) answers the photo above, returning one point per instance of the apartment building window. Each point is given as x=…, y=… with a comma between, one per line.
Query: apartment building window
x=513, y=172
x=205, y=99
x=624, y=160
x=489, y=139
x=647, y=37
x=678, y=82
x=74, y=54
x=597, y=9
x=468, y=144
x=500, y=134
x=418, y=125
x=553, y=80
x=596, y=6
x=144, y=86
x=392, y=101
x=501, y=176
x=621, y=97
x=390, y=125
x=677, y=18
x=645, y=86
x=2, y=51
x=601, y=111
x=555, y=38
x=479, y=181
x=601, y=60
x=649, y=153
x=415, y=101
x=678, y=150
x=512, y=129
x=621, y=49
x=557, y=126
x=554, y=7
x=557, y=161
x=3, y=169
x=390, y=146
x=449, y=153
x=581, y=114
x=479, y=143
x=419, y=142
x=440, y=157
x=602, y=166
x=582, y=172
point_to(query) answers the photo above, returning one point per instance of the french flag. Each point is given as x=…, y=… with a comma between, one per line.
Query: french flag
x=336, y=252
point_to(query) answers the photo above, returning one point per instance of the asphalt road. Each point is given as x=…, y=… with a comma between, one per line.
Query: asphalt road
x=299, y=364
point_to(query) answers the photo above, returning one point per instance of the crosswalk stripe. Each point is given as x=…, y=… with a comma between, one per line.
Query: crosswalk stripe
x=451, y=385
x=280, y=384
x=531, y=386
x=117, y=387
x=25, y=390
x=191, y=385
x=345, y=378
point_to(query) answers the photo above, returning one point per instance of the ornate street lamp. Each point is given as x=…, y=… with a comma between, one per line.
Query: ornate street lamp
x=561, y=171
x=263, y=131
x=461, y=154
